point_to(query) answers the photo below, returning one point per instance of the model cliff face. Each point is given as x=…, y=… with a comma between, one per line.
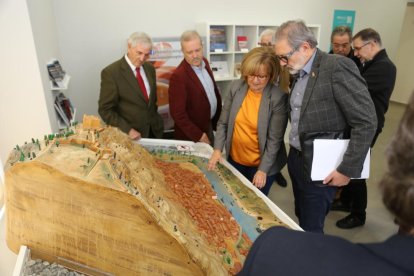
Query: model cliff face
x=92, y=196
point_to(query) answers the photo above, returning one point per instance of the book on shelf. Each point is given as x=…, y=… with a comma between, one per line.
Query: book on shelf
x=220, y=69
x=218, y=40
x=242, y=42
x=56, y=73
x=64, y=109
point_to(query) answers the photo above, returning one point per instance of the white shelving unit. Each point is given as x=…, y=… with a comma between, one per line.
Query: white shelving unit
x=231, y=54
x=63, y=85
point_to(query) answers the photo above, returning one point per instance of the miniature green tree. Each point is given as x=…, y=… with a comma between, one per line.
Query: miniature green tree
x=22, y=156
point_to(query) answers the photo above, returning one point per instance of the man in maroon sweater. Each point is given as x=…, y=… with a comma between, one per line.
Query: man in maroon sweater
x=194, y=99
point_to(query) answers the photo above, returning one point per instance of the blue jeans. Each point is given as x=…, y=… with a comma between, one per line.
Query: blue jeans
x=312, y=199
x=249, y=173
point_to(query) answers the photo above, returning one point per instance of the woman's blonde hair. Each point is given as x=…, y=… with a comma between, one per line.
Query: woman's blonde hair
x=264, y=56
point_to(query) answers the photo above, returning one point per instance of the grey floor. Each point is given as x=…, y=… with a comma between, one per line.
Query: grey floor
x=379, y=224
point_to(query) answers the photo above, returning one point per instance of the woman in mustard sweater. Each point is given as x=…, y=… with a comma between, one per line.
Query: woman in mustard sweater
x=253, y=121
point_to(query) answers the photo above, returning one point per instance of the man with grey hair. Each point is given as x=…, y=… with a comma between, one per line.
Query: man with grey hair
x=267, y=37
x=194, y=98
x=128, y=98
x=329, y=99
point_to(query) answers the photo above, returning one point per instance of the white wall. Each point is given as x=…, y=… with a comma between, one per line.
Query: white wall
x=44, y=33
x=23, y=111
x=93, y=34
x=405, y=59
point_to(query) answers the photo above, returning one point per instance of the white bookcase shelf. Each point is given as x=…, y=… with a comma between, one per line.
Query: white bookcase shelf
x=62, y=85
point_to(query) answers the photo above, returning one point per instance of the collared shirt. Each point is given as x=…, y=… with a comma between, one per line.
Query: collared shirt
x=142, y=71
x=296, y=99
x=208, y=85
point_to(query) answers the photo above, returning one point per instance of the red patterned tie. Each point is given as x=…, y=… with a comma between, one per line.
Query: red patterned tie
x=141, y=84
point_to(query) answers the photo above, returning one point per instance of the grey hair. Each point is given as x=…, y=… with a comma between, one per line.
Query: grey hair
x=296, y=32
x=189, y=35
x=139, y=38
x=268, y=32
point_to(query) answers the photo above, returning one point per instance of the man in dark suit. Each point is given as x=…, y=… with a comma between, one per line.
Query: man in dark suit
x=279, y=251
x=128, y=98
x=329, y=97
x=380, y=73
x=194, y=99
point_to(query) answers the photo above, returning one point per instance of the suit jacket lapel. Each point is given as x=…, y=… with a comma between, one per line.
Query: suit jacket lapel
x=263, y=117
x=313, y=76
x=151, y=81
x=131, y=79
x=192, y=75
x=129, y=75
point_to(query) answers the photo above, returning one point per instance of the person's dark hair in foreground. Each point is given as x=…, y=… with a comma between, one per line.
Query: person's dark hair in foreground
x=280, y=251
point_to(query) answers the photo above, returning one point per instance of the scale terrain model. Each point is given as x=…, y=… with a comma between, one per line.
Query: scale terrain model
x=92, y=196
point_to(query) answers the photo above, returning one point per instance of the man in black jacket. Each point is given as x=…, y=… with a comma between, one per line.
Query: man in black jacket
x=379, y=72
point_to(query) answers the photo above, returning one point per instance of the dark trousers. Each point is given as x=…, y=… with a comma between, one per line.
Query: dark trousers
x=249, y=173
x=355, y=196
x=312, y=198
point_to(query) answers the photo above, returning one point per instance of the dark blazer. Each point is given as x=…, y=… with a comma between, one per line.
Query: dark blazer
x=271, y=125
x=351, y=56
x=336, y=99
x=280, y=251
x=121, y=103
x=380, y=74
x=189, y=105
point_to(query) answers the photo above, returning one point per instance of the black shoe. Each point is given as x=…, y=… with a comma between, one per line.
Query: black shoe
x=280, y=180
x=338, y=205
x=350, y=221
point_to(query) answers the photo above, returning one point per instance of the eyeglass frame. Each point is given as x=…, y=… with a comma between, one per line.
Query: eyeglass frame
x=268, y=44
x=285, y=58
x=363, y=45
x=260, y=78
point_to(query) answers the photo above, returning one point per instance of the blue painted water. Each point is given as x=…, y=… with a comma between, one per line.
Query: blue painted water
x=247, y=222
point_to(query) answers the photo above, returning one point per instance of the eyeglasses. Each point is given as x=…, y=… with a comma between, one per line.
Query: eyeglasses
x=260, y=78
x=285, y=58
x=359, y=48
x=337, y=45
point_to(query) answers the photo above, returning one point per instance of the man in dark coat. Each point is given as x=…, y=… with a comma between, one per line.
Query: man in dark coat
x=380, y=73
x=128, y=100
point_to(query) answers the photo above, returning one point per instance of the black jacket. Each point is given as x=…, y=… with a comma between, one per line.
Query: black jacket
x=280, y=251
x=380, y=74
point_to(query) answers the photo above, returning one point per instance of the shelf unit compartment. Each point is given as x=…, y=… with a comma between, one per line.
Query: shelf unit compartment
x=222, y=66
x=220, y=39
x=250, y=32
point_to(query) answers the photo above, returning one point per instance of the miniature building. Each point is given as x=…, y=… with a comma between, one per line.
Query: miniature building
x=91, y=122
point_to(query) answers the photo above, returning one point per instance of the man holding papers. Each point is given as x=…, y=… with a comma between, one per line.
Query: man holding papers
x=329, y=99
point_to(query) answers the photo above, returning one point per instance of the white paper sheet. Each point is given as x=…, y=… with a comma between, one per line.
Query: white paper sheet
x=327, y=155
